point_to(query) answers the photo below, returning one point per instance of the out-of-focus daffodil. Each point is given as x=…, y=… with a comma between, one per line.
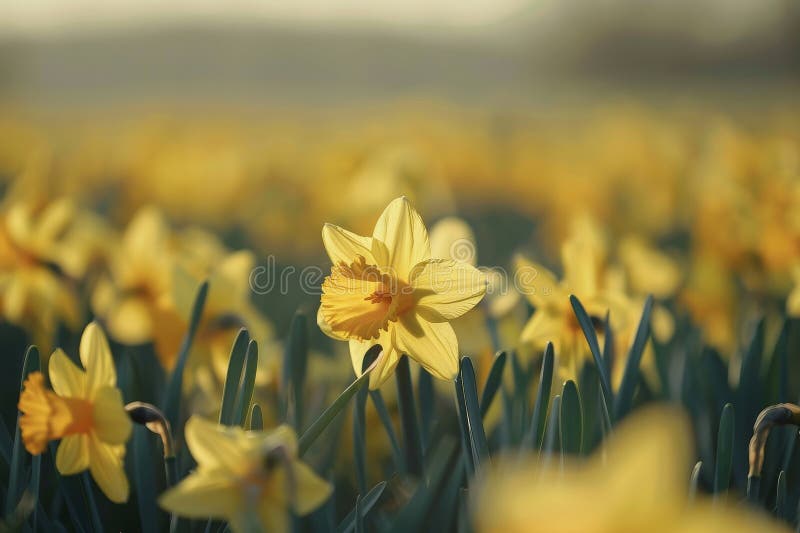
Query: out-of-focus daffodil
x=85, y=411
x=386, y=289
x=35, y=292
x=637, y=483
x=252, y=479
x=553, y=320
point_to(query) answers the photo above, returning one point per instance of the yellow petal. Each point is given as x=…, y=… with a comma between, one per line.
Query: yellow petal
x=96, y=359
x=581, y=267
x=387, y=359
x=452, y=238
x=326, y=328
x=65, y=376
x=433, y=345
x=213, y=445
x=658, y=440
x=543, y=327
x=445, y=289
x=403, y=236
x=108, y=470
x=273, y=517
x=111, y=423
x=206, y=493
x=282, y=436
x=536, y=283
x=343, y=245
x=311, y=490
x=130, y=322
x=73, y=454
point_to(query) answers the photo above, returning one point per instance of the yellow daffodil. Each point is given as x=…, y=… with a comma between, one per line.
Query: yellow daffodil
x=638, y=482
x=252, y=479
x=85, y=411
x=35, y=255
x=387, y=290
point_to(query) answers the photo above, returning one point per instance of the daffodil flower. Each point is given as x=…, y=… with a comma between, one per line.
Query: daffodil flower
x=386, y=289
x=86, y=412
x=638, y=482
x=249, y=478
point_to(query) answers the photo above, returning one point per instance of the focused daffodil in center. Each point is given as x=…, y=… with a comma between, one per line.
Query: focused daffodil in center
x=387, y=290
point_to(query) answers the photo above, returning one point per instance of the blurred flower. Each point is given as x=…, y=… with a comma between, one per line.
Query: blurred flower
x=553, y=320
x=387, y=290
x=252, y=479
x=37, y=252
x=636, y=483
x=154, y=277
x=86, y=412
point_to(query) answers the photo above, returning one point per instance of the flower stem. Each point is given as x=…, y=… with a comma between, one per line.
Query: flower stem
x=408, y=416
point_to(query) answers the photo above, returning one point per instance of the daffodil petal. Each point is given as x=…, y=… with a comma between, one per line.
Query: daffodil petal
x=445, y=289
x=130, y=322
x=325, y=328
x=96, y=359
x=108, y=470
x=283, y=436
x=111, y=423
x=214, y=445
x=432, y=344
x=65, y=376
x=543, y=327
x=273, y=516
x=204, y=493
x=384, y=365
x=343, y=245
x=72, y=455
x=401, y=230
x=536, y=283
x=311, y=491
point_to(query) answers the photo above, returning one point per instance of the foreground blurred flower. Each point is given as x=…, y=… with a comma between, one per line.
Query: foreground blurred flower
x=86, y=412
x=387, y=290
x=638, y=483
x=249, y=478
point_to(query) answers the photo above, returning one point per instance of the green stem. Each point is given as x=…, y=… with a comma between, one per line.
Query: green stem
x=408, y=416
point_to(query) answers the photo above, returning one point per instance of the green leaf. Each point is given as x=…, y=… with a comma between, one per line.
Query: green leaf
x=248, y=385
x=521, y=396
x=413, y=515
x=475, y=430
x=608, y=343
x=295, y=361
x=571, y=419
x=144, y=478
x=172, y=400
x=463, y=426
x=749, y=400
x=724, y=459
x=19, y=456
x=780, y=498
x=551, y=435
x=359, y=440
x=493, y=382
x=535, y=435
x=408, y=417
x=427, y=405
x=694, y=480
x=386, y=421
x=591, y=337
x=233, y=378
x=256, y=418
x=624, y=398
x=318, y=426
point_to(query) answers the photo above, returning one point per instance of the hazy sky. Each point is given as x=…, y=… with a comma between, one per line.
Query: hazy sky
x=43, y=17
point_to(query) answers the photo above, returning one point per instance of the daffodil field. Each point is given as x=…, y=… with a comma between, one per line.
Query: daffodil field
x=410, y=318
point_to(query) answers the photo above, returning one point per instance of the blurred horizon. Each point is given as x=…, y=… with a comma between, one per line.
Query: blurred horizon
x=510, y=53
